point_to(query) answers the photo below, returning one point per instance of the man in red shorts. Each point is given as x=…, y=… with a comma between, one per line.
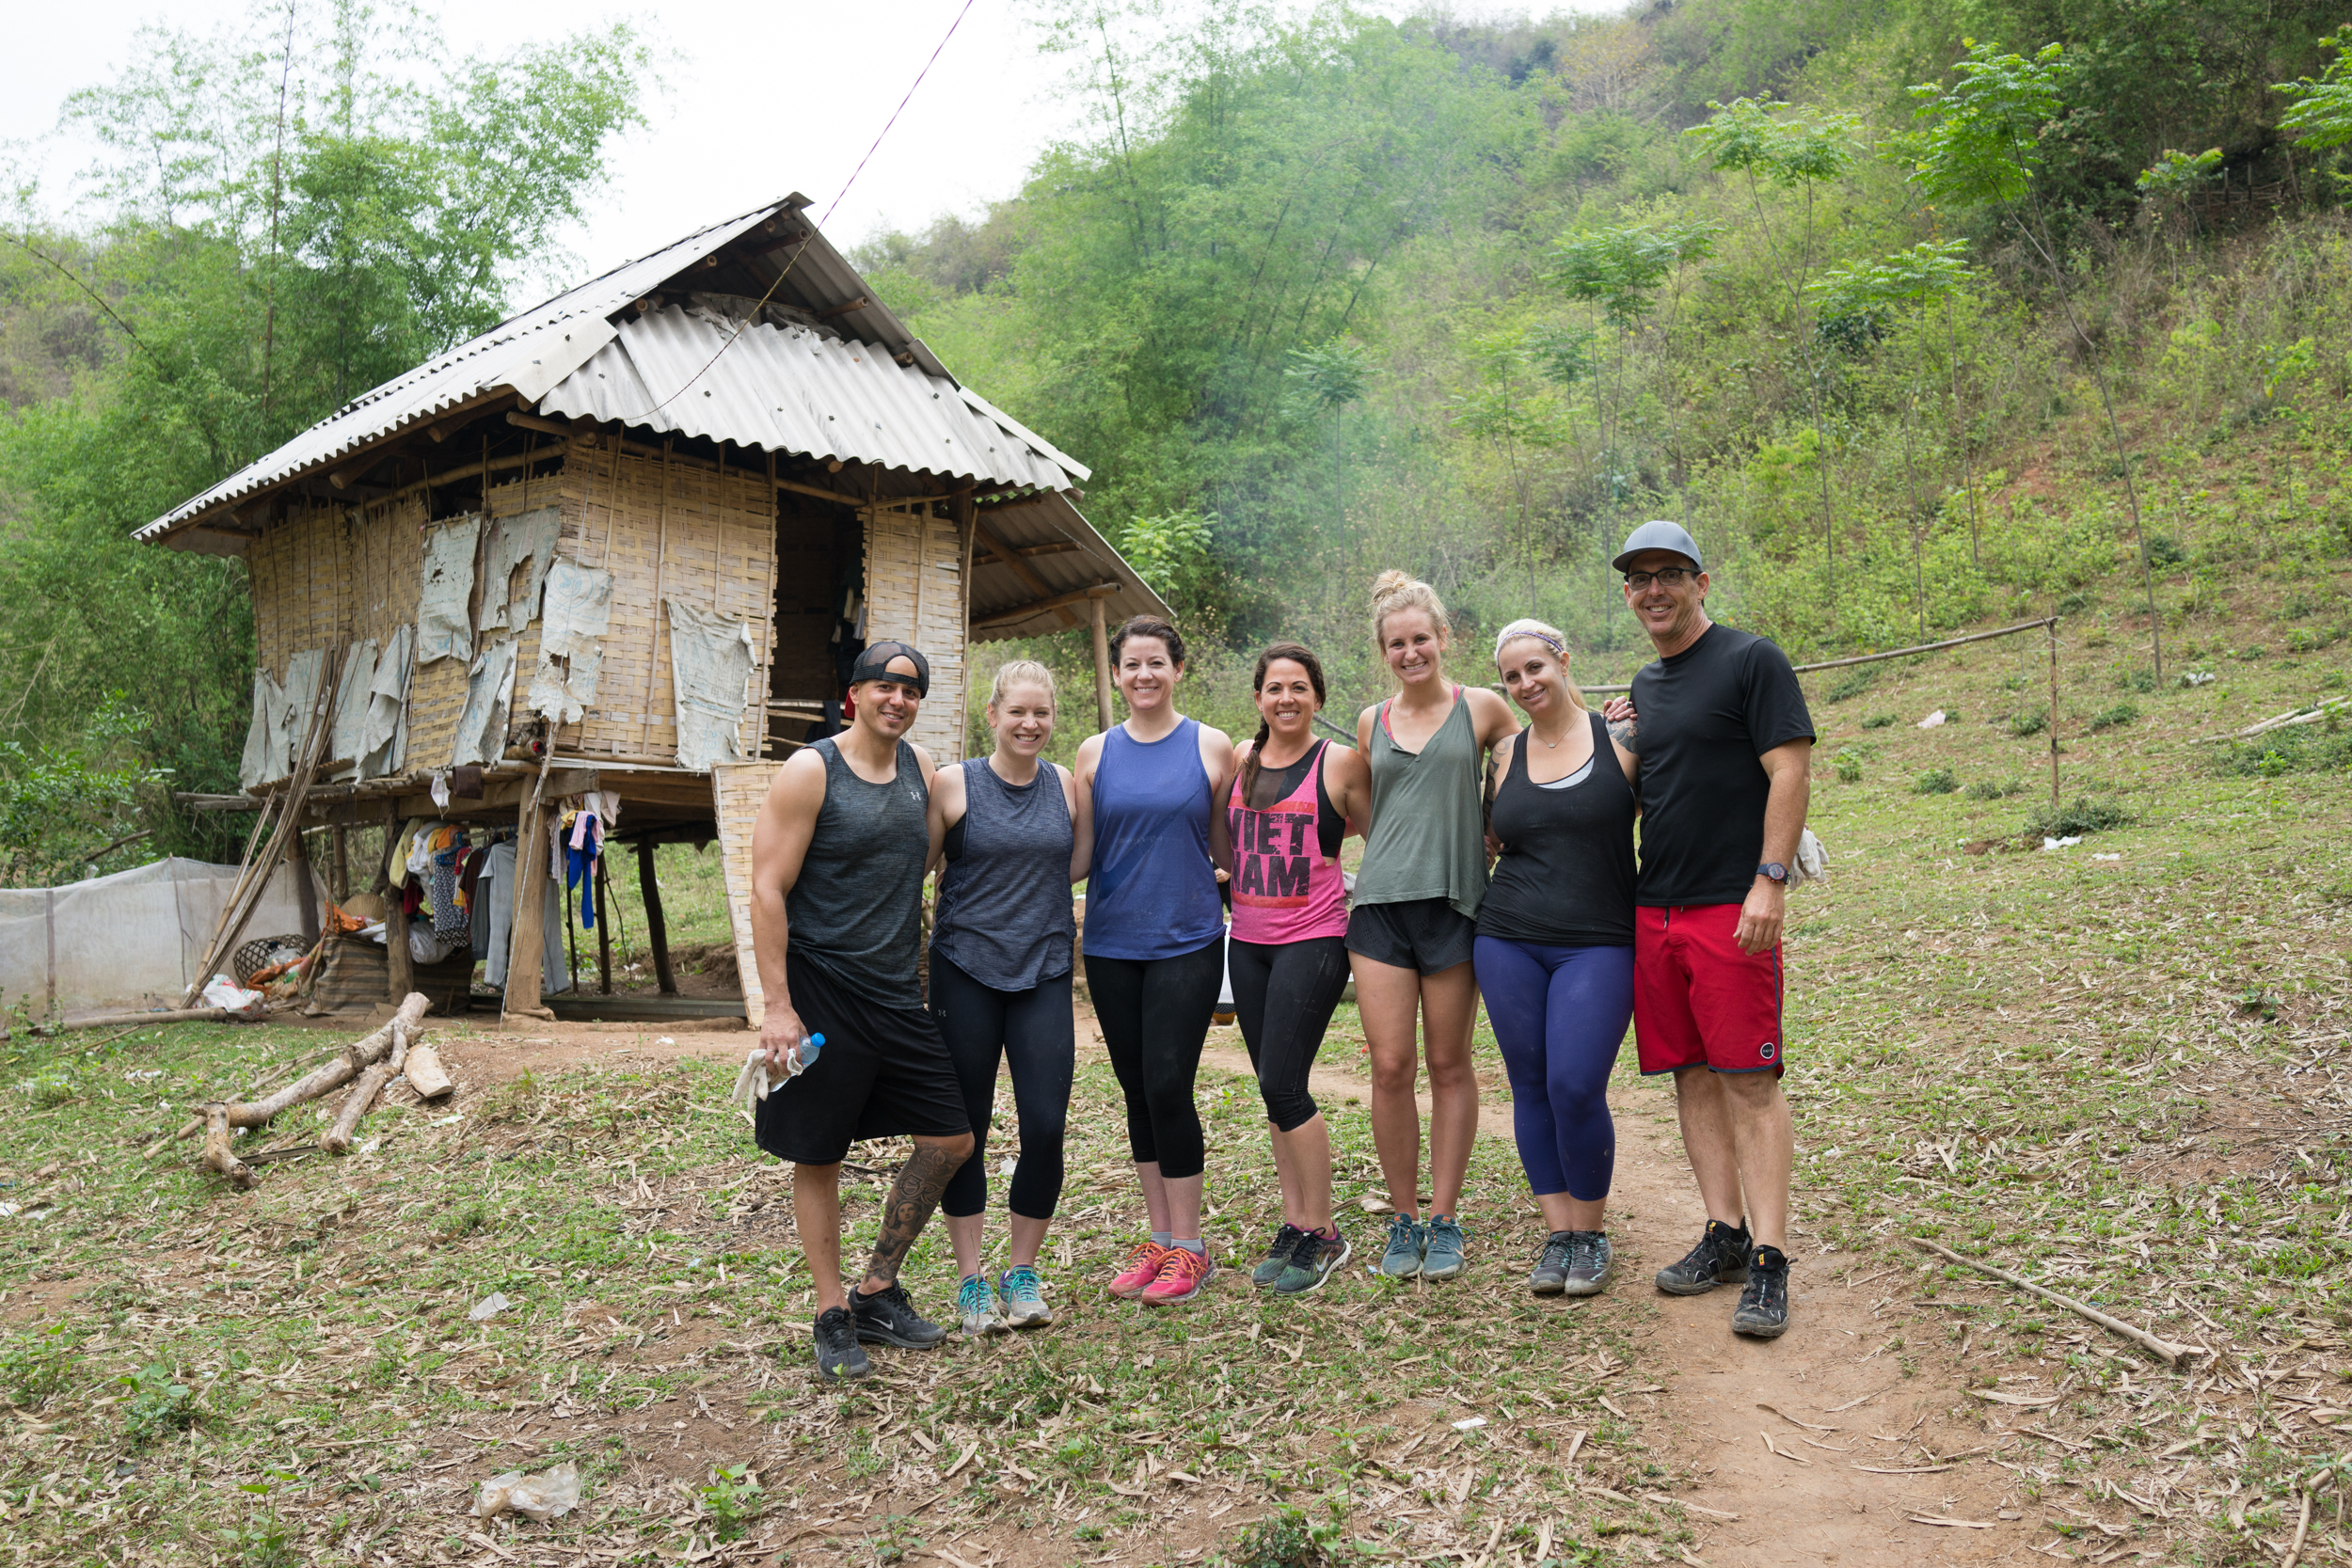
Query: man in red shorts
x=1726, y=749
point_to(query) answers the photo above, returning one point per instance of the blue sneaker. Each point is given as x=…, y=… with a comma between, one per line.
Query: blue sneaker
x=1441, y=1258
x=1406, y=1241
x=1278, y=1256
x=976, y=1308
x=1025, y=1298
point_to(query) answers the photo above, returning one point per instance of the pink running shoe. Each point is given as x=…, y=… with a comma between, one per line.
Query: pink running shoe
x=1140, y=1269
x=1182, y=1276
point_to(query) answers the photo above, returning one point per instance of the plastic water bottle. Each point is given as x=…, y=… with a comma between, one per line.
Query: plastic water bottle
x=802, y=1058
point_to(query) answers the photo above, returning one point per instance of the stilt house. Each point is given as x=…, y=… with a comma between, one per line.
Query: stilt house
x=628, y=541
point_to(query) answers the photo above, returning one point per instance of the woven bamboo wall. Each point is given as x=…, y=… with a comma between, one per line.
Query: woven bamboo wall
x=737, y=790
x=915, y=592
x=668, y=531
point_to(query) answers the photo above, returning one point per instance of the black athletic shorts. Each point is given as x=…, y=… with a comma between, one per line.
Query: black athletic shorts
x=1427, y=934
x=881, y=1072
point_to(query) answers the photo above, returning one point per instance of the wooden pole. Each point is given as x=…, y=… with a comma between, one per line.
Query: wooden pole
x=656, y=930
x=604, y=930
x=1102, y=664
x=306, y=890
x=525, y=943
x=661, y=559
x=400, y=967
x=341, y=885
x=2051, y=625
x=571, y=931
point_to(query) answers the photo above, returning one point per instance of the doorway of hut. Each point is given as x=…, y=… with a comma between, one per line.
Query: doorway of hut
x=819, y=619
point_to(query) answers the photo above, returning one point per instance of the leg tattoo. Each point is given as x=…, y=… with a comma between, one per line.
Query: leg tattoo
x=913, y=1198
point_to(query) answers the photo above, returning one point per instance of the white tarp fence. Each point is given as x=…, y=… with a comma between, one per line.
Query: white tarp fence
x=132, y=939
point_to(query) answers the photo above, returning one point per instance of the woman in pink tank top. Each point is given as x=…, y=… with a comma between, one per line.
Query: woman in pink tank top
x=1290, y=801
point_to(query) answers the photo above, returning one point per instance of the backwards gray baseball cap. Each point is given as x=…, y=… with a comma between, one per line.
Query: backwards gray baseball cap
x=1660, y=536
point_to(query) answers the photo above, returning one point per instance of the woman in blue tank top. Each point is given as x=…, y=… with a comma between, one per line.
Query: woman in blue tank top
x=1154, y=940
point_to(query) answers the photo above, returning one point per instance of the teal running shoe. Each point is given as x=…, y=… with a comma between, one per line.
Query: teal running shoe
x=1025, y=1298
x=1441, y=1258
x=1314, y=1260
x=976, y=1308
x=1278, y=1256
x=1405, y=1242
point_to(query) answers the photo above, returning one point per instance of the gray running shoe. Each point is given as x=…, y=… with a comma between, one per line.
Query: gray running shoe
x=839, y=1356
x=1314, y=1260
x=1550, y=1276
x=1589, y=1262
x=1763, y=1310
x=975, y=1309
x=1278, y=1256
x=1442, y=1257
x=1406, y=1241
x=1025, y=1298
x=1720, y=1259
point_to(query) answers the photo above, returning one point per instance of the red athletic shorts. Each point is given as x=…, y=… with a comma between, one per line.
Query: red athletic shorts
x=1699, y=1001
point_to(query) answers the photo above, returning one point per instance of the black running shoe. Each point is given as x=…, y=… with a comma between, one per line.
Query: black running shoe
x=839, y=1358
x=1763, y=1310
x=1590, y=1264
x=887, y=1317
x=1549, y=1275
x=1720, y=1259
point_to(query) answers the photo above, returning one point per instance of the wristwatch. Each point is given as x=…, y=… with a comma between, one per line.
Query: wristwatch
x=1773, y=869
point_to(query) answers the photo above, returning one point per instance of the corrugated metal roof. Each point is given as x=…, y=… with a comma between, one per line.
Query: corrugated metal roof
x=798, y=389
x=513, y=350
x=1073, y=557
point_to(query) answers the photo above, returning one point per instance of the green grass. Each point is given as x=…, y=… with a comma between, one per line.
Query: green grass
x=2120, y=1075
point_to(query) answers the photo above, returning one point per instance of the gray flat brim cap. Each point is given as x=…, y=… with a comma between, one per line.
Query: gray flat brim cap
x=1660, y=534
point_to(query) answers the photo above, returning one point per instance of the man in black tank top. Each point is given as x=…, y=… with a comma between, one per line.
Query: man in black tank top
x=837, y=859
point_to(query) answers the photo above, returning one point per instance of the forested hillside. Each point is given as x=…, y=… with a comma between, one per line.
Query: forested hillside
x=1917, y=314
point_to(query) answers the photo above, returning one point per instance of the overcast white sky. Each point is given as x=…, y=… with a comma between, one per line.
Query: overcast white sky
x=762, y=99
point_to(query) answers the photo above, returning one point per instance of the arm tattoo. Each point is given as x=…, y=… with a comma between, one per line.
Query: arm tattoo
x=913, y=1198
x=1626, y=733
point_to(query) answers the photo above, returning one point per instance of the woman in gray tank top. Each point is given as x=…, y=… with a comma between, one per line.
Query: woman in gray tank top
x=1414, y=918
x=1013, y=843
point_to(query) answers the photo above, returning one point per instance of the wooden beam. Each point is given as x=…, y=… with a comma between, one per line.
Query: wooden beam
x=551, y=427
x=1020, y=568
x=1028, y=552
x=1102, y=665
x=860, y=303
x=342, y=478
x=657, y=928
x=1037, y=607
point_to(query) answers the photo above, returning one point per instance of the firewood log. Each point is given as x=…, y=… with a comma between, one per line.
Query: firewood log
x=425, y=1073
x=217, y=1154
x=372, y=1082
x=327, y=1076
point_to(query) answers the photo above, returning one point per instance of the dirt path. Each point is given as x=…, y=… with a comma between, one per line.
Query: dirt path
x=1837, y=1380
x=1817, y=1506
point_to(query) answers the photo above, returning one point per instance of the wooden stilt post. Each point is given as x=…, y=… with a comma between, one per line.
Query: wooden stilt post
x=657, y=930
x=305, y=888
x=399, y=967
x=526, y=943
x=2051, y=625
x=1102, y=664
x=341, y=885
x=604, y=930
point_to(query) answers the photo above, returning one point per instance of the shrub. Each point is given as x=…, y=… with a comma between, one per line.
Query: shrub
x=1853, y=683
x=2163, y=550
x=34, y=1367
x=1849, y=765
x=2085, y=816
x=1287, y=1539
x=1879, y=721
x=2114, y=718
x=1935, y=781
x=2303, y=748
x=1985, y=789
x=2031, y=722
x=2137, y=680
x=157, y=1405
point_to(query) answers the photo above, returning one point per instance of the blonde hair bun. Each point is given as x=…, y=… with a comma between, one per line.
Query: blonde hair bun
x=1023, y=671
x=1388, y=582
x=1393, y=591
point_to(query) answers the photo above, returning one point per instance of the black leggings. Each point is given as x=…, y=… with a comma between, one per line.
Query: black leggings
x=1033, y=1032
x=1154, y=1015
x=1284, y=993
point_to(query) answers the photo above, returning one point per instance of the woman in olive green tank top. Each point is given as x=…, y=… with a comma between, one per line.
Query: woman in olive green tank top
x=1416, y=907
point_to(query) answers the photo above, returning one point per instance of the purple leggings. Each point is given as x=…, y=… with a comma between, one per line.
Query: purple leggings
x=1559, y=1015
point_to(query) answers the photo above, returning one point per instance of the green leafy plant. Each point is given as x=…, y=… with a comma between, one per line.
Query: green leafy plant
x=2114, y=718
x=2030, y=722
x=1849, y=765
x=1935, y=781
x=156, y=1404
x=731, y=1501
x=1985, y=789
x=1853, y=683
x=1879, y=721
x=35, y=1366
x=2084, y=817
x=1286, y=1538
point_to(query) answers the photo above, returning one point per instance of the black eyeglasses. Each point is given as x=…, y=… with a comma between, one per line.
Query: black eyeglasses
x=1669, y=576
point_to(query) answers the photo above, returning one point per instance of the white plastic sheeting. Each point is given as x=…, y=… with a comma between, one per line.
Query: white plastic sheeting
x=384, y=744
x=516, y=565
x=351, y=707
x=571, y=642
x=132, y=939
x=444, y=629
x=711, y=668
x=281, y=713
x=490, y=695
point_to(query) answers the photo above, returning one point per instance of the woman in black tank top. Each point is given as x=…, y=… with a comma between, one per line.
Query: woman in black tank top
x=1554, y=952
